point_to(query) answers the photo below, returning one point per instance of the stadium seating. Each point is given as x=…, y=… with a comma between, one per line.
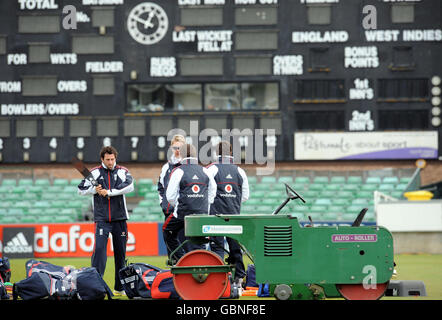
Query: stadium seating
x=328, y=197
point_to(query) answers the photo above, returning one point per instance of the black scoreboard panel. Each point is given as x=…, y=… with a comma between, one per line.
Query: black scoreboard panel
x=79, y=74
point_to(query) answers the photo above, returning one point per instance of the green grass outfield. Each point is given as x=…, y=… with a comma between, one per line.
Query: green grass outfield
x=424, y=267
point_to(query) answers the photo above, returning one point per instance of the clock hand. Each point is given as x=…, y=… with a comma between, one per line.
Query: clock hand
x=148, y=23
x=139, y=20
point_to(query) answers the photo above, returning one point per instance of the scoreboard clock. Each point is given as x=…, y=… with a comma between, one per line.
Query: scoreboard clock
x=147, y=23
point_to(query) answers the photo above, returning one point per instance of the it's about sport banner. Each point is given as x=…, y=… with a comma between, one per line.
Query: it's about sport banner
x=366, y=145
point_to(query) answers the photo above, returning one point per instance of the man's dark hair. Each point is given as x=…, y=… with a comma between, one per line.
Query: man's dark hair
x=188, y=150
x=224, y=148
x=108, y=150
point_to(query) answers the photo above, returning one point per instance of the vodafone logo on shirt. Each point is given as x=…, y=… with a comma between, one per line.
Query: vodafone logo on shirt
x=228, y=188
x=195, y=188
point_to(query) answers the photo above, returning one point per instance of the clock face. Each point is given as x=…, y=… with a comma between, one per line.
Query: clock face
x=147, y=23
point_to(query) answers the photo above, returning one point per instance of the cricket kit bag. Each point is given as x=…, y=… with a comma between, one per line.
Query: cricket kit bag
x=48, y=281
x=3, y=293
x=55, y=271
x=137, y=279
x=5, y=270
x=142, y=280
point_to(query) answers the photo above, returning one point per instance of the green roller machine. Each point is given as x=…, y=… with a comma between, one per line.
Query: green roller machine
x=299, y=263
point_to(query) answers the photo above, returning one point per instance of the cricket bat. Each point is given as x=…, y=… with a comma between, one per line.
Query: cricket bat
x=79, y=165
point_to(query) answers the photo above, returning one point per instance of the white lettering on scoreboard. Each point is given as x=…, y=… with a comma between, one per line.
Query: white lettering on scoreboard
x=162, y=66
x=361, y=57
x=104, y=66
x=63, y=58
x=207, y=40
x=407, y=35
x=256, y=2
x=361, y=91
x=39, y=109
x=319, y=36
x=37, y=4
x=102, y=2
x=72, y=86
x=10, y=86
x=288, y=65
x=361, y=121
x=200, y=2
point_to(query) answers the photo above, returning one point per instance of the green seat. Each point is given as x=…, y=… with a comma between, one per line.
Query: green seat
x=42, y=182
x=320, y=180
x=254, y=201
x=351, y=187
x=386, y=187
x=9, y=220
x=322, y=202
x=69, y=189
x=6, y=204
x=340, y=202
x=151, y=195
x=337, y=180
x=285, y=179
x=59, y=204
x=316, y=187
x=369, y=187
x=373, y=180
x=35, y=211
x=247, y=209
x=348, y=217
x=318, y=208
x=252, y=179
x=354, y=180
x=264, y=209
x=137, y=217
x=390, y=180
x=360, y=201
x=344, y=194
x=19, y=190
x=336, y=209
x=140, y=211
x=365, y=194
x=9, y=182
x=333, y=187
x=401, y=187
x=60, y=182
x=329, y=216
x=16, y=211
x=28, y=219
x=45, y=219
x=12, y=197
x=354, y=209
x=75, y=182
x=396, y=194
x=302, y=180
x=268, y=179
x=42, y=204
x=405, y=180
x=25, y=182
x=63, y=219
x=300, y=208
x=145, y=203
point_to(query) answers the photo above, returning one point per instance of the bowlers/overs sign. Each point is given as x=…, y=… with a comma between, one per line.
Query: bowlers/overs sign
x=18, y=242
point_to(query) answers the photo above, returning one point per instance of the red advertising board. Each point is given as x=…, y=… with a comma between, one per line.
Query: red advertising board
x=77, y=239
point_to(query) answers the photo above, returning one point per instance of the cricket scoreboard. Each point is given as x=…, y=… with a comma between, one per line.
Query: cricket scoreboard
x=317, y=79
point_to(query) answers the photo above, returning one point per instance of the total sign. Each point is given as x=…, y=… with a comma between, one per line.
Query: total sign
x=78, y=240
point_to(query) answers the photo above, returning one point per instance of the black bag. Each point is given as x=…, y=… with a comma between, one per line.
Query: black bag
x=251, y=276
x=89, y=284
x=3, y=293
x=55, y=271
x=47, y=281
x=137, y=279
x=5, y=270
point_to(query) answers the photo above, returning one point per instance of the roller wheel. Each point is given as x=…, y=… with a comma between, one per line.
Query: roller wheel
x=358, y=292
x=209, y=286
